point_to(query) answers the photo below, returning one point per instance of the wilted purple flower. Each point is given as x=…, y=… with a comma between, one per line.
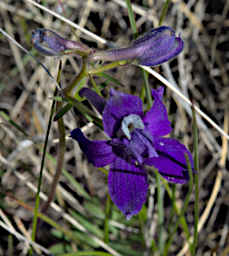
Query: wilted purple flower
x=155, y=47
x=136, y=140
x=50, y=43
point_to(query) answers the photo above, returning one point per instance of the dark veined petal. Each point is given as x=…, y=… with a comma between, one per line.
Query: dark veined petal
x=156, y=119
x=171, y=162
x=127, y=186
x=97, y=101
x=118, y=107
x=99, y=153
x=158, y=46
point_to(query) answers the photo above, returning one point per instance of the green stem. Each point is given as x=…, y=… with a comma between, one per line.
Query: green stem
x=160, y=197
x=61, y=151
x=78, y=78
x=164, y=11
x=37, y=202
x=196, y=181
x=94, y=85
x=107, y=67
x=147, y=89
x=106, y=223
x=131, y=17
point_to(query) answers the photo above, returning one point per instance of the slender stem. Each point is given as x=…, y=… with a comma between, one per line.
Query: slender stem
x=107, y=67
x=131, y=17
x=60, y=158
x=78, y=78
x=196, y=182
x=106, y=223
x=37, y=202
x=173, y=211
x=94, y=84
x=160, y=197
x=147, y=89
x=164, y=11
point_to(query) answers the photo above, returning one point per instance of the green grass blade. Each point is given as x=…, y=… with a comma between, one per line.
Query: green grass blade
x=164, y=11
x=160, y=196
x=62, y=111
x=196, y=182
x=131, y=17
x=107, y=216
x=87, y=253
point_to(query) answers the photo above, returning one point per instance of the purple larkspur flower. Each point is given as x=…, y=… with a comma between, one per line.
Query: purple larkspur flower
x=135, y=141
x=155, y=47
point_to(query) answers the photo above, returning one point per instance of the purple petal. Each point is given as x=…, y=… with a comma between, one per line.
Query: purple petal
x=141, y=146
x=97, y=101
x=158, y=46
x=127, y=186
x=156, y=119
x=167, y=51
x=99, y=153
x=118, y=107
x=171, y=162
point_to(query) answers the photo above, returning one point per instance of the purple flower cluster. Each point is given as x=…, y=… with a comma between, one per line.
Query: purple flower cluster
x=135, y=141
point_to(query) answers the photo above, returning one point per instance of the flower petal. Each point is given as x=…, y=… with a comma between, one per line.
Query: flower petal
x=141, y=146
x=158, y=46
x=99, y=153
x=127, y=186
x=156, y=119
x=118, y=107
x=171, y=162
x=97, y=101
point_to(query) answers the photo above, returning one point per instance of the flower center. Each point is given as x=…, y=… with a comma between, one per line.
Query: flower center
x=131, y=122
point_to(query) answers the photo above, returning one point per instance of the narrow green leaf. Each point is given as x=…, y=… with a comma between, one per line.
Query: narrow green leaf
x=164, y=12
x=196, y=182
x=87, y=253
x=62, y=111
x=131, y=17
x=106, y=222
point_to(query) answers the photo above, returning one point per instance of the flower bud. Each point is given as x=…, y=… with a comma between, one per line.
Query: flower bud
x=50, y=43
x=155, y=47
